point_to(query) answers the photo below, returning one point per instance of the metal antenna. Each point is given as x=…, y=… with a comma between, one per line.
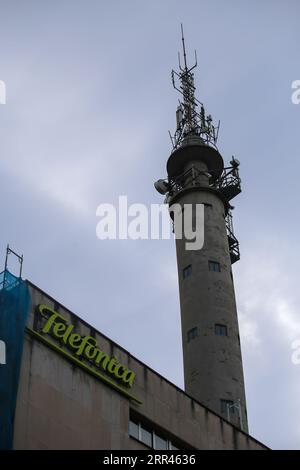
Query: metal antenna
x=183, y=47
x=19, y=257
x=190, y=121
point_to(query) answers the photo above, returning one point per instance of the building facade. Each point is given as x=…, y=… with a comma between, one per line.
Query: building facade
x=79, y=390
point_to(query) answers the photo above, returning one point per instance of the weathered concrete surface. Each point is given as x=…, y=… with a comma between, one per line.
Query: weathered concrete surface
x=213, y=368
x=60, y=406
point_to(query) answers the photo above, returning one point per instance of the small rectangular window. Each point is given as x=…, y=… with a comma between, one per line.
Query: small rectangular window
x=160, y=443
x=133, y=429
x=227, y=406
x=192, y=334
x=187, y=271
x=221, y=330
x=214, y=266
x=146, y=436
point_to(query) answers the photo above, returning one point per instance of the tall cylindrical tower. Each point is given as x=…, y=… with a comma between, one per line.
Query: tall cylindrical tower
x=213, y=369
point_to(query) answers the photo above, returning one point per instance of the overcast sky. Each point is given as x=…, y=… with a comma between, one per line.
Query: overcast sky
x=89, y=105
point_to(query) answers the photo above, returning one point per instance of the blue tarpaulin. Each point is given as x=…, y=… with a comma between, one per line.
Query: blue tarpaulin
x=14, y=309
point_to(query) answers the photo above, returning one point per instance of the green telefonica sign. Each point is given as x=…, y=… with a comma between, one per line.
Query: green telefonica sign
x=84, y=351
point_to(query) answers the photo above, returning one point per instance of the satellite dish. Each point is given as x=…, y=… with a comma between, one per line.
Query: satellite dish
x=161, y=186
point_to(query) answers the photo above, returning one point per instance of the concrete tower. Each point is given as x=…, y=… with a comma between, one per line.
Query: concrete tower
x=213, y=369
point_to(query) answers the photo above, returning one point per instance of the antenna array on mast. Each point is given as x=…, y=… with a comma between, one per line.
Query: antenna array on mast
x=190, y=114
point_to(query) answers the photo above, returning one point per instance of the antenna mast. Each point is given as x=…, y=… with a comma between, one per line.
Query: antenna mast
x=190, y=121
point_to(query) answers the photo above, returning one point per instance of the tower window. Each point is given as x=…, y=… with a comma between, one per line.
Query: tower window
x=221, y=330
x=214, y=266
x=227, y=406
x=187, y=271
x=192, y=334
